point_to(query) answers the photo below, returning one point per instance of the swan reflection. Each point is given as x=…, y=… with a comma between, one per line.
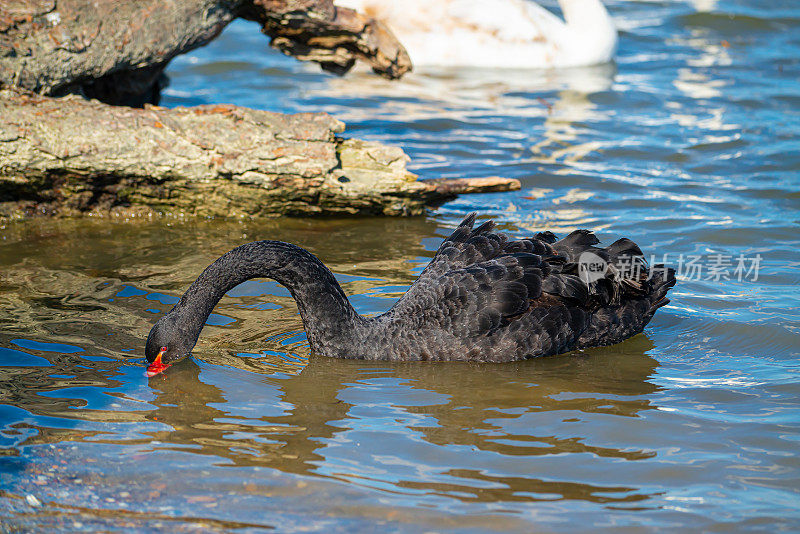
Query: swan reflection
x=355, y=421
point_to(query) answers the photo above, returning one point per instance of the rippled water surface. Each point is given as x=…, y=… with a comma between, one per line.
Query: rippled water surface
x=688, y=145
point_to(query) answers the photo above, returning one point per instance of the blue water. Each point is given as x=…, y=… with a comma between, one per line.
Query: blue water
x=688, y=145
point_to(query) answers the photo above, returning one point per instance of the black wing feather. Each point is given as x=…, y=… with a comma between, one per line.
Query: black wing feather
x=482, y=282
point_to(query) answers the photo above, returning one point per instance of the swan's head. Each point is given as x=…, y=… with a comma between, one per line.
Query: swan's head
x=167, y=343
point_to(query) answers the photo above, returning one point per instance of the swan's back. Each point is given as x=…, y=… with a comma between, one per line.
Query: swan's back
x=500, y=33
x=488, y=297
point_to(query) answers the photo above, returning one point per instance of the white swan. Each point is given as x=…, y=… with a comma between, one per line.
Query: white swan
x=496, y=33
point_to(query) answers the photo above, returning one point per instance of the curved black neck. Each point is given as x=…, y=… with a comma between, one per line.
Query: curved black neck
x=328, y=317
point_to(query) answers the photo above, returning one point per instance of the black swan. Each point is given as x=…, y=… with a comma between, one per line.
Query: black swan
x=484, y=297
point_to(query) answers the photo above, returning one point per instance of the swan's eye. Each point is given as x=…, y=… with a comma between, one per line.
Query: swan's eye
x=163, y=349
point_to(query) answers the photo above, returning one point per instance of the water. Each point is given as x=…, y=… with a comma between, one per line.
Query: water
x=688, y=146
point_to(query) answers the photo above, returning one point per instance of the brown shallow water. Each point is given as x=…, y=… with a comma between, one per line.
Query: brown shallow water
x=255, y=433
x=292, y=428
x=688, y=145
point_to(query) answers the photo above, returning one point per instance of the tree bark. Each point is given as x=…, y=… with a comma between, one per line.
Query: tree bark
x=71, y=156
x=117, y=51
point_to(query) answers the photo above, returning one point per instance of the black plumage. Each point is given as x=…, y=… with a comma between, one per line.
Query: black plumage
x=483, y=297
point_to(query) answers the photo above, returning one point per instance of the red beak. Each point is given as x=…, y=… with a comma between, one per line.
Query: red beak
x=156, y=367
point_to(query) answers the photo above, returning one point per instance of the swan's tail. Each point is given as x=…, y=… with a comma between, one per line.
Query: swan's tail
x=616, y=323
x=624, y=298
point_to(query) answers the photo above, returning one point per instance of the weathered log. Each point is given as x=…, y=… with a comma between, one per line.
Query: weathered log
x=460, y=186
x=117, y=51
x=71, y=156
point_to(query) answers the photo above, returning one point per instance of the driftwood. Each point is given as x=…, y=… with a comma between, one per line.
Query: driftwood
x=71, y=156
x=117, y=51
